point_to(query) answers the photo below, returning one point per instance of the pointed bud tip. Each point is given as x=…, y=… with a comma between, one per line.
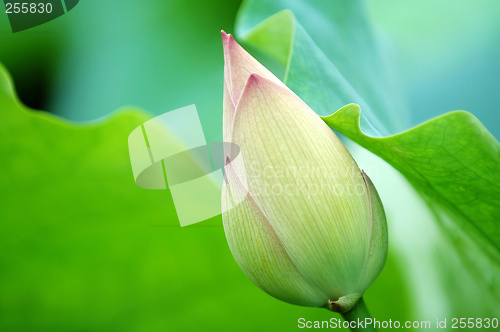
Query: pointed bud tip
x=226, y=37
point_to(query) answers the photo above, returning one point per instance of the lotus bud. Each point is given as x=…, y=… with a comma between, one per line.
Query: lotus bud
x=303, y=222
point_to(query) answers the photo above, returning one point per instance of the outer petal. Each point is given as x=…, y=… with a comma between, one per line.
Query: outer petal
x=238, y=66
x=227, y=115
x=377, y=251
x=258, y=250
x=325, y=234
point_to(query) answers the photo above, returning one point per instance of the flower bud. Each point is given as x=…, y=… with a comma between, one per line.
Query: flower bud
x=303, y=222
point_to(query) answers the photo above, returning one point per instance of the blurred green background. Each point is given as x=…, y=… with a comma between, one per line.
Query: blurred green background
x=82, y=248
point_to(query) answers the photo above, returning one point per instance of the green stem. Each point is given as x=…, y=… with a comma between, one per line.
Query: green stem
x=359, y=311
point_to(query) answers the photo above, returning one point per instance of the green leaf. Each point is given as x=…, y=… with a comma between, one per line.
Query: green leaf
x=159, y=56
x=82, y=245
x=347, y=58
x=453, y=159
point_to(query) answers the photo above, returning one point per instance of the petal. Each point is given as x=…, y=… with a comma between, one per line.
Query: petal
x=377, y=250
x=296, y=168
x=227, y=115
x=238, y=66
x=258, y=250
